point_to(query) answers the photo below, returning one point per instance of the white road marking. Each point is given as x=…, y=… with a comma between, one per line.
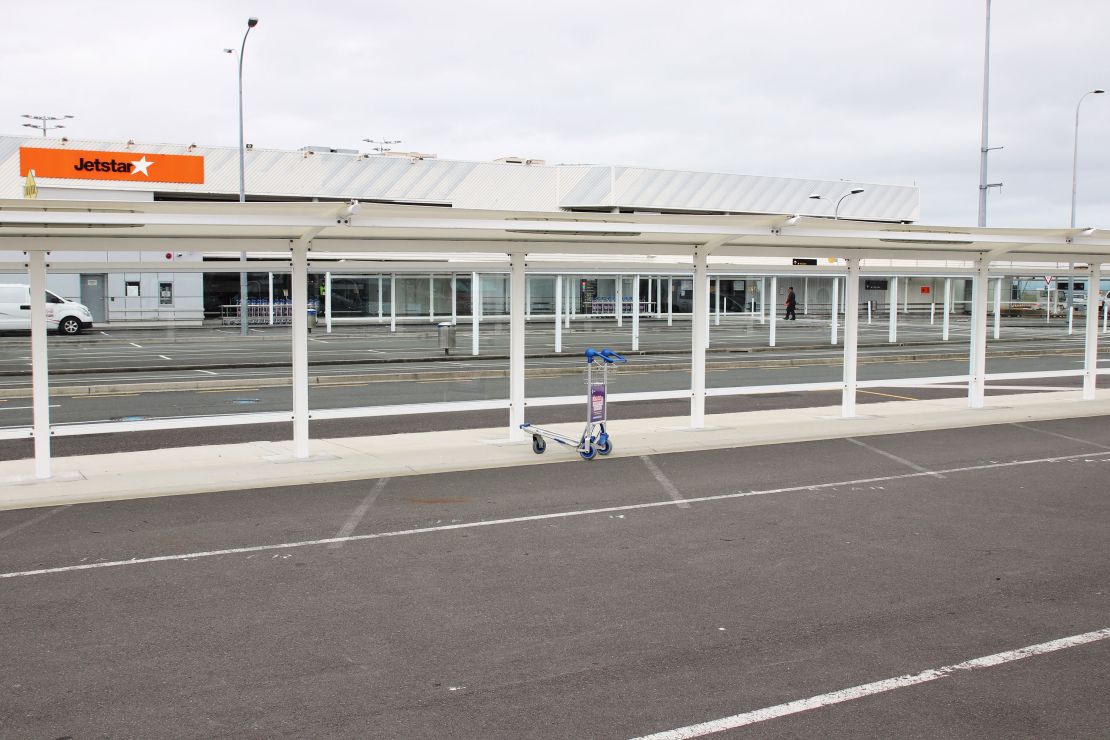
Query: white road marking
x=164, y=357
x=24, y=408
x=29, y=522
x=877, y=687
x=207, y=372
x=357, y=515
x=135, y=345
x=665, y=482
x=895, y=458
x=1061, y=436
x=542, y=517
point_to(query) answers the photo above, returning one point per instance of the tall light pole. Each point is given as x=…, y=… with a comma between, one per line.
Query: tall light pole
x=984, y=149
x=1075, y=150
x=1074, y=170
x=836, y=211
x=251, y=23
x=44, y=122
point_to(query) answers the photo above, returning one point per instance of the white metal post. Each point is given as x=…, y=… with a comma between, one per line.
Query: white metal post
x=475, y=310
x=40, y=375
x=932, y=312
x=527, y=298
x=1105, y=312
x=454, y=300
x=327, y=302
x=700, y=331
x=649, y=287
x=1090, y=354
x=393, y=302
x=300, y=348
x=636, y=312
x=805, y=297
x=618, y=290
x=835, y=309
x=978, y=356
x=1071, y=320
x=892, y=323
x=906, y=298
x=558, y=313
x=947, y=308
x=570, y=285
x=516, y=345
x=997, y=307
x=381, y=299
x=432, y=298
x=851, y=338
x=670, y=301
x=270, y=282
x=774, y=310
x=762, y=300
x=708, y=308
x=868, y=312
x=717, y=320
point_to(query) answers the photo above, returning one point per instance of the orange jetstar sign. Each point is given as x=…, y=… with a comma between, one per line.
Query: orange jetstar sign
x=74, y=164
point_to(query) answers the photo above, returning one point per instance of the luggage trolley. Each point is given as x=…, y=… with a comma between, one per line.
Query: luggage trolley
x=595, y=439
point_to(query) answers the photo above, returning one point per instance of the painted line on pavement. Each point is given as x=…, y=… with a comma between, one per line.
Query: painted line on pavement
x=165, y=358
x=32, y=521
x=877, y=687
x=1061, y=436
x=664, y=481
x=888, y=395
x=24, y=408
x=890, y=456
x=1102, y=456
x=135, y=345
x=357, y=515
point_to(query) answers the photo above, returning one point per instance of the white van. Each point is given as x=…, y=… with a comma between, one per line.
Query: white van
x=66, y=317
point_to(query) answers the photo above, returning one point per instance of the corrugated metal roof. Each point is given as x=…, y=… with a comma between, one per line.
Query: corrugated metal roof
x=483, y=185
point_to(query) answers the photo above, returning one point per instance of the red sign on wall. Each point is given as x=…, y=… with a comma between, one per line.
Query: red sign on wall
x=925, y=290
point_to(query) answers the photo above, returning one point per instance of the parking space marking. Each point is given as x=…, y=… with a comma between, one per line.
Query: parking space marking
x=895, y=458
x=1061, y=436
x=32, y=521
x=1103, y=456
x=357, y=515
x=664, y=481
x=876, y=687
x=135, y=345
x=888, y=395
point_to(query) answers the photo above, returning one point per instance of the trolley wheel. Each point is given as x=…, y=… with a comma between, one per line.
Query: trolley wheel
x=538, y=444
x=589, y=453
x=604, y=448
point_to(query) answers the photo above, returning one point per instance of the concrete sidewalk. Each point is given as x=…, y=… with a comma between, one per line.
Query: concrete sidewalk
x=175, y=471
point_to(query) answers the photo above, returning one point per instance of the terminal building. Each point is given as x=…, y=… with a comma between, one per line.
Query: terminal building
x=64, y=169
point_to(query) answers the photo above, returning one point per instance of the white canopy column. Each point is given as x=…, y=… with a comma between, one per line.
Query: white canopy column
x=892, y=329
x=774, y=311
x=700, y=333
x=300, y=348
x=851, y=338
x=475, y=310
x=40, y=378
x=636, y=312
x=516, y=345
x=558, y=313
x=834, y=318
x=1090, y=355
x=947, y=308
x=997, y=307
x=976, y=390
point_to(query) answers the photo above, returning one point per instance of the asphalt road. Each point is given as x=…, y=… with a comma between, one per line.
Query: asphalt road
x=652, y=595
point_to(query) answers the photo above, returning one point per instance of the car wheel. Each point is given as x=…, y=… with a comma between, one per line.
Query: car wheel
x=69, y=326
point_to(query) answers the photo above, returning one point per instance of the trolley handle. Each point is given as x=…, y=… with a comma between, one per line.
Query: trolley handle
x=610, y=356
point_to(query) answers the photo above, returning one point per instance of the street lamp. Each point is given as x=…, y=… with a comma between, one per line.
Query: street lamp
x=836, y=211
x=43, y=121
x=1075, y=150
x=1074, y=168
x=251, y=23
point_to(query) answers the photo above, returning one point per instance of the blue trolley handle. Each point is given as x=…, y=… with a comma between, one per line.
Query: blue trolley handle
x=610, y=356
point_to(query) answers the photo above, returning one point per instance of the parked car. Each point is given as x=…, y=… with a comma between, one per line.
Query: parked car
x=65, y=317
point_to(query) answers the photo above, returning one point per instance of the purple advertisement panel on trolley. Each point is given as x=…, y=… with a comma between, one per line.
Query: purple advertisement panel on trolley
x=597, y=402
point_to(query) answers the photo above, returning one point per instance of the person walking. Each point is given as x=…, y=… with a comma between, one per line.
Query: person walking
x=791, y=304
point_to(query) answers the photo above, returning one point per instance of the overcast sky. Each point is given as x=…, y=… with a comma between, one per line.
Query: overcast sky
x=880, y=91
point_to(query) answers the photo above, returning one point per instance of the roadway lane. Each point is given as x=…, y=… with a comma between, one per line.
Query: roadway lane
x=516, y=612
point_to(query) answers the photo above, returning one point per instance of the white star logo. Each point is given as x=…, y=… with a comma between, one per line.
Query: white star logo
x=141, y=166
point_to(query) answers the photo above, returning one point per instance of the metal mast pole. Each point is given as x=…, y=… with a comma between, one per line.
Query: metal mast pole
x=983, y=148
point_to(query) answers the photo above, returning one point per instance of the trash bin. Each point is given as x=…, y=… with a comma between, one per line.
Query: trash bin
x=446, y=336
x=311, y=319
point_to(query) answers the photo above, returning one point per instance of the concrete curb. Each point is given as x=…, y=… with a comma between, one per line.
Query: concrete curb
x=257, y=465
